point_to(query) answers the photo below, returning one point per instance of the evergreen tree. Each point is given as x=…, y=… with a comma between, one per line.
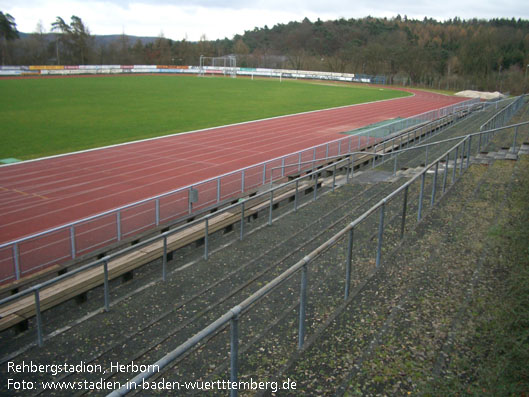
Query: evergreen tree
x=8, y=31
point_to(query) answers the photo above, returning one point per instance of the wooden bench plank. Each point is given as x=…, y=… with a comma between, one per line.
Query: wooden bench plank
x=70, y=287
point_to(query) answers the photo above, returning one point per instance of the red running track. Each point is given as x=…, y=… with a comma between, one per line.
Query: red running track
x=42, y=194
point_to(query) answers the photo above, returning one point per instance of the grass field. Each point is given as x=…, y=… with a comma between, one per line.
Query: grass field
x=42, y=117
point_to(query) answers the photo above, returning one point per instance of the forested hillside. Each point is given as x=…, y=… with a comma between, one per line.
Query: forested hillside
x=455, y=54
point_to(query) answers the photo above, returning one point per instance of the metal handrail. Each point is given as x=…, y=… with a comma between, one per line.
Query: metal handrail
x=394, y=152
x=233, y=314
x=139, y=202
x=512, y=108
x=330, y=158
x=163, y=236
x=71, y=226
x=374, y=154
x=246, y=303
x=441, y=112
x=136, y=203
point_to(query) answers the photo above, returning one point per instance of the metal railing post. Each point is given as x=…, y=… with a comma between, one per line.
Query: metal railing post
x=302, y=305
x=72, y=241
x=16, y=261
x=455, y=165
x=348, y=263
x=462, y=158
x=271, y=205
x=118, y=225
x=218, y=187
x=234, y=349
x=348, y=169
x=419, y=211
x=434, y=186
x=164, y=259
x=105, y=269
x=447, y=159
x=190, y=204
x=299, y=162
x=469, y=150
x=242, y=221
x=380, y=234
x=404, y=209
x=316, y=187
x=206, y=238
x=157, y=211
x=39, y=318
x=242, y=181
x=514, y=140
x=296, y=196
x=264, y=173
x=333, y=177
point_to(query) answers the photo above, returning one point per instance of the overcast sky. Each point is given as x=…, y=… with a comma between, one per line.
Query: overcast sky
x=219, y=19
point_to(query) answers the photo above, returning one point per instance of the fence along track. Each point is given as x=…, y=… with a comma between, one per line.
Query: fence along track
x=106, y=269
x=351, y=199
x=13, y=254
x=19, y=284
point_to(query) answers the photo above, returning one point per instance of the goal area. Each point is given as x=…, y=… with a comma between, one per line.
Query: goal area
x=225, y=65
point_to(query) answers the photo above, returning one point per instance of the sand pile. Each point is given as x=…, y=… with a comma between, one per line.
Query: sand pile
x=482, y=95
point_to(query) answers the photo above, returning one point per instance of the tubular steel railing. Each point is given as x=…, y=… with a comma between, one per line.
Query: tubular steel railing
x=416, y=133
x=503, y=117
x=103, y=263
x=72, y=240
x=399, y=125
x=460, y=148
x=459, y=155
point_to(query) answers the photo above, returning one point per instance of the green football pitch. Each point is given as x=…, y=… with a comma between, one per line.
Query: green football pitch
x=42, y=117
